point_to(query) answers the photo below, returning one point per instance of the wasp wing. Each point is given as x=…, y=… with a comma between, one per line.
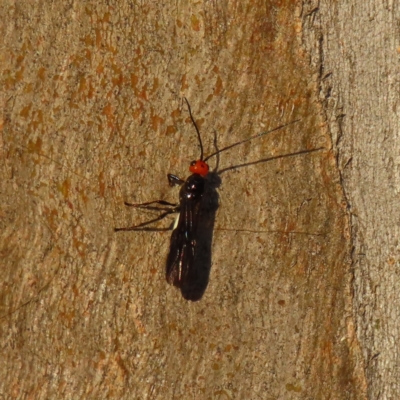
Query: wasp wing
x=182, y=250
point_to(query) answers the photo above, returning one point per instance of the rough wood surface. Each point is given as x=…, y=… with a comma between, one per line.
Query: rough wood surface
x=356, y=45
x=93, y=117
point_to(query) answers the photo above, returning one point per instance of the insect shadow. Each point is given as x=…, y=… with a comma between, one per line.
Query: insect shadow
x=189, y=260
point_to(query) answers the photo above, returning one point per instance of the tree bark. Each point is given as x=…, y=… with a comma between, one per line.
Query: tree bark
x=355, y=45
x=93, y=117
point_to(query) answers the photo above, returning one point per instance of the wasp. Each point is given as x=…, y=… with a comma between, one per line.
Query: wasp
x=183, y=268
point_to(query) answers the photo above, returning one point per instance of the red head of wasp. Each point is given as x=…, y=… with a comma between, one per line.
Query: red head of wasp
x=192, y=230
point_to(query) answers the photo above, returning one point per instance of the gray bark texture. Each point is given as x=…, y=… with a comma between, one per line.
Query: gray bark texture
x=93, y=116
x=356, y=46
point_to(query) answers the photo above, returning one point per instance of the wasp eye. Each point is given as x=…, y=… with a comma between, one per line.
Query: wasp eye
x=193, y=163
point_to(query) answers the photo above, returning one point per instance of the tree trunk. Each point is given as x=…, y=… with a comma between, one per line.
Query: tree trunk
x=357, y=47
x=93, y=117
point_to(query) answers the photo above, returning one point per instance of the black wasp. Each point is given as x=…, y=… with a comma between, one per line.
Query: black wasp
x=186, y=267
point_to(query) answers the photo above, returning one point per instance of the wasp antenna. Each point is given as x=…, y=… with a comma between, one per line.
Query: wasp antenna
x=197, y=129
x=251, y=138
x=297, y=153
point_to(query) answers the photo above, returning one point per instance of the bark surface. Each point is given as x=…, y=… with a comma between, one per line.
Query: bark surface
x=93, y=116
x=356, y=47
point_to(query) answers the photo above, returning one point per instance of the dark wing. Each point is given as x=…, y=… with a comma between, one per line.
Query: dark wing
x=183, y=243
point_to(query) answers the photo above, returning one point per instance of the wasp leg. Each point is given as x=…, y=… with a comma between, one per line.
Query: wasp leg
x=148, y=204
x=173, y=180
x=139, y=226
